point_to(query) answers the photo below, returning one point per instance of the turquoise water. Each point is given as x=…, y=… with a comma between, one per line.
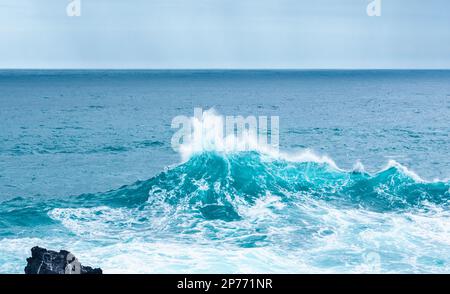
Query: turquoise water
x=361, y=185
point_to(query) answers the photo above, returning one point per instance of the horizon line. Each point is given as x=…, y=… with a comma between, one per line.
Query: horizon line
x=221, y=69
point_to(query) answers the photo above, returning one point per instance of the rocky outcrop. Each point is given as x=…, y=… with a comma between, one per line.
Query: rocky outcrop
x=43, y=261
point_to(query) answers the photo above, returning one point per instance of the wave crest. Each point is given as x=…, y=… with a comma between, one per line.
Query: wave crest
x=217, y=184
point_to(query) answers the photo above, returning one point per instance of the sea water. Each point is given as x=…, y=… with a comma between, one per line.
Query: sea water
x=361, y=183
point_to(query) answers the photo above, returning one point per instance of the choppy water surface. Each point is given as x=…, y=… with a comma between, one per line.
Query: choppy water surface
x=361, y=184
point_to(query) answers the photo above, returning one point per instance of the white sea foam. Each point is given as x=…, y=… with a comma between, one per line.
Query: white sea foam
x=358, y=167
x=405, y=170
x=409, y=243
x=96, y=222
x=206, y=136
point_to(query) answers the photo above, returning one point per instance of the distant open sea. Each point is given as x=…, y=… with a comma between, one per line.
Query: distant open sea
x=86, y=165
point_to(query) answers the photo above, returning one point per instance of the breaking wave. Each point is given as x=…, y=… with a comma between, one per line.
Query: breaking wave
x=244, y=211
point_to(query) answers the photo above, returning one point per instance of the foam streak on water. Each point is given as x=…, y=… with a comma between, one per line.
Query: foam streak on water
x=222, y=210
x=245, y=212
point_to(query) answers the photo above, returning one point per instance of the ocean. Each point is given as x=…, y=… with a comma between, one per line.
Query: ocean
x=361, y=184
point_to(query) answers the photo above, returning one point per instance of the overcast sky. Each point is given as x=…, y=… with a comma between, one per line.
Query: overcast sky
x=225, y=34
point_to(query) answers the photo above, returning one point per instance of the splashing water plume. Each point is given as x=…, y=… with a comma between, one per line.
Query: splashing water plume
x=258, y=210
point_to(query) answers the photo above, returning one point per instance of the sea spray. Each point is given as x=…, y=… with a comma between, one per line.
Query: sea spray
x=226, y=210
x=209, y=131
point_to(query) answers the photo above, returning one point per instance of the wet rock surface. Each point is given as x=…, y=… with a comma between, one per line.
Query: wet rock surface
x=43, y=261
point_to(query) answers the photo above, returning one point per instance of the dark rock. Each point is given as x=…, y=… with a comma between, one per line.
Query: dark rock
x=43, y=261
